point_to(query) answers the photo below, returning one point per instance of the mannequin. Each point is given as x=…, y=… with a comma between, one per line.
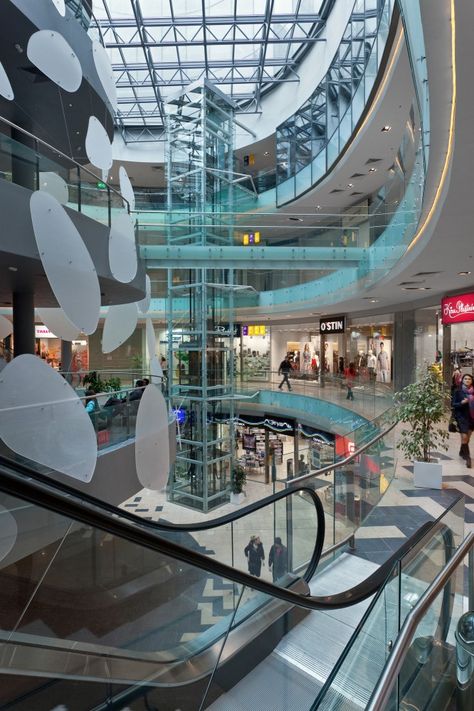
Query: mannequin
x=383, y=364
x=371, y=364
x=306, y=359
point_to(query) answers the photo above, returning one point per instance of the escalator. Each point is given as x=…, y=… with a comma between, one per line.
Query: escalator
x=102, y=610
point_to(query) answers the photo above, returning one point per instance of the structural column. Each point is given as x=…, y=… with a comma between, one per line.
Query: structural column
x=404, y=349
x=23, y=322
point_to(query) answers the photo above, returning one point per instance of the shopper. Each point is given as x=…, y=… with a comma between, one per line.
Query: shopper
x=255, y=555
x=137, y=392
x=285, y=369
x=90, y=403
x=350, y=375
x=463, y=409
x=278, y=559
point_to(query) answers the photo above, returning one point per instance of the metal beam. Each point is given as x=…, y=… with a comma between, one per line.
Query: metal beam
x=254, y=258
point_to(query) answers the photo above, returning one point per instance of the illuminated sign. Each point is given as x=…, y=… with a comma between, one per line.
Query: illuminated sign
x=457, y=309
x=43, y=332
x=101, y=185
x=251, y=238
x=254, y=330
x=332, y=324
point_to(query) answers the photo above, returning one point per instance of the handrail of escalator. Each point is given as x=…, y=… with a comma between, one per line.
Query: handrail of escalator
x=137, y=532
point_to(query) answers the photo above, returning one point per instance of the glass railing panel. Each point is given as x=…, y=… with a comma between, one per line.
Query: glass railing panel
x=351, y=685
x=387, y=612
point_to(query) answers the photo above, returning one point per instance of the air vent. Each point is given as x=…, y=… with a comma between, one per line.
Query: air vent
x=373, y=160
x=337, y=190
x=356, y=193
x=424, y=274
x=410, y=283
x=357, y=175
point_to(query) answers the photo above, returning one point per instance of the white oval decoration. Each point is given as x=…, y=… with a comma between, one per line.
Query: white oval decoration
x=98, y=146
x=156, y=371
x=66, y=261
x=126, y=188
x=150, y=338
x=50, y=52
x=144, y=304
x=122, y=248
x=54, y=185
x=120, y=323
x=8, y=532
x=5, y=87
x=60, y=6
x=43, y=419
x=6, y=327
x=58, y=323
x=152, y=449
x=105, y=73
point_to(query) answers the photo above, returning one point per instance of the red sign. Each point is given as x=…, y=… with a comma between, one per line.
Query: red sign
x=456, y=309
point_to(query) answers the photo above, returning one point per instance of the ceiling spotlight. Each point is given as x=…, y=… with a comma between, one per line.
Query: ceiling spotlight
x=318, y=207
x=374, y=301
x=350, y=185
x=267, y=153
x=372, y=170
x=15, y=269
x=18, y=48
x=386, y=129
x=463, y=273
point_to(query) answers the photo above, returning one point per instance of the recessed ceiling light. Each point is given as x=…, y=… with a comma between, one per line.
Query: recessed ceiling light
x=350, y=185
x=463, y=273
x=318, y=207
x=296, y=219
x=13, y=269
x=386, y=129
x=267, y=153
x=372, y=170
x=374, y=301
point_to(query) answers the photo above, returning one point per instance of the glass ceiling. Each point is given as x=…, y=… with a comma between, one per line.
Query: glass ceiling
x=246, y=47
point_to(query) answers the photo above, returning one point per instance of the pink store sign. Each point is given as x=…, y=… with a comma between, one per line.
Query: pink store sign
x=456, y=309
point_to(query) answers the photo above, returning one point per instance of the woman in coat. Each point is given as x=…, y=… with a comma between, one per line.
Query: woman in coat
x=255, y=555
x=463, y=409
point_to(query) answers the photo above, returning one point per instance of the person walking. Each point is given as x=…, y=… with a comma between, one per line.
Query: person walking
x=463, y=410
x=285, y=369
x=350, y=374
x=255, y=555
x=278, y=559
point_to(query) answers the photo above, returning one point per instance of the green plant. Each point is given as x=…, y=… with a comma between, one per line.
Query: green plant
x=422, y=405
x=94, y=381
x=239, y=478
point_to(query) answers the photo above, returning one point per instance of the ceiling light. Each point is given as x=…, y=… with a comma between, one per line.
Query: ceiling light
x=15, y=269
x=386, y=129
x=372, y=170
x=374, y=301
x=267, y=153
x=296, y=219
x=463, y=273
x=350, y=185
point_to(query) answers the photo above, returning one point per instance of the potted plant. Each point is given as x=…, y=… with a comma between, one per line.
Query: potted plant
x=422, y=406
x=239, y=478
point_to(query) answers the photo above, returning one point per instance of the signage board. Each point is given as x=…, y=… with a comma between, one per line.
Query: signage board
x=332, y=324
x=224, y=329
x=254, y=330
x=457, y=309
x=43, y=332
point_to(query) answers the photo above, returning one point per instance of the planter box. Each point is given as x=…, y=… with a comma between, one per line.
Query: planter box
x=428, y=475
x=237, y=499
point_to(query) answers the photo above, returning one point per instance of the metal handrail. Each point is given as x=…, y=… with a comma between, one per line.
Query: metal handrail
x=380, y=696
x=63, y=155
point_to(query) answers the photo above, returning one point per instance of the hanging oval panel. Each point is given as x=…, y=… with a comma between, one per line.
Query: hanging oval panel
x=144, y=304
x=43, y=419
x=152, y=450
x=105, y=73
x=98, y=146
x=50, y=52
x=120, y=323
x=126, y=189
x=122, y=248
x=5, y=87
x=59, y=324
x=66, y=261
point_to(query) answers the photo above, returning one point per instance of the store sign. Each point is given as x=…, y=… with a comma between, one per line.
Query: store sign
x=332, y=324
x=224, y=329
x=457, y=309
x=43, y=332
x=254, y=330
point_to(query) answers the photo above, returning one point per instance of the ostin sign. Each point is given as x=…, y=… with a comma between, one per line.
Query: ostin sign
x=332, y=324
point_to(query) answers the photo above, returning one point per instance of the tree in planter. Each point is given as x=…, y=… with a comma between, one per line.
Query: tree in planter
x=422, y=405
x=239, y=478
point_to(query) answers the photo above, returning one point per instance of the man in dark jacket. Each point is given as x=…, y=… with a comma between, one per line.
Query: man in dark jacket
x=285, y=369
x=278, y=559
